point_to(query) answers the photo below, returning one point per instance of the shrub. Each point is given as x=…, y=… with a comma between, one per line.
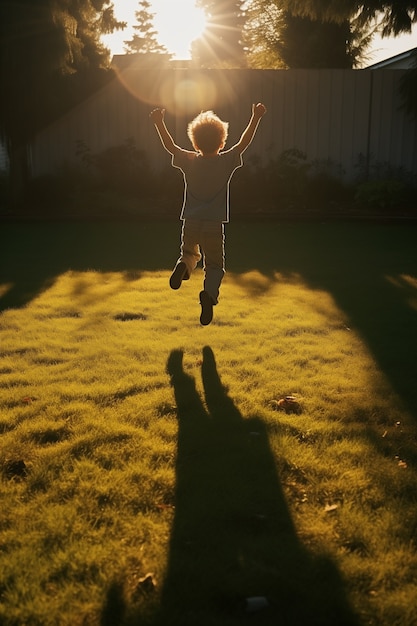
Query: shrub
x=380, y=185
x=382, y=194
x=123, y=168
x=291, y=182
x=286, y=178
x=325, y=186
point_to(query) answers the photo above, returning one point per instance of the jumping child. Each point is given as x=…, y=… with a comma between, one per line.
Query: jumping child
x=207, y=173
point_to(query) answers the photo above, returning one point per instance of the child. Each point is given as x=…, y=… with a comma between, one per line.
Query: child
x=207, y=173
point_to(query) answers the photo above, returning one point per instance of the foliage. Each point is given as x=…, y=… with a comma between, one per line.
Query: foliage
x=277, y=35
x=115, y=181
x=222, y=42
x=384, y=194
x=381, y=186
x=145, y=475
x=145, y=39
x=286, y=176
x=263, y=25
x=120, y=181
x=379, y=193
x=272, y=188
x=304, y=34
x=315, y=44
x=292, y=184
x=396, y=16
x=51, y=57
x=326, y=186
x=42, y=43
x=123, y=168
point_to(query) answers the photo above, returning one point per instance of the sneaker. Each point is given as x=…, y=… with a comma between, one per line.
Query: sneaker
x=206, y=308
x=178, y=275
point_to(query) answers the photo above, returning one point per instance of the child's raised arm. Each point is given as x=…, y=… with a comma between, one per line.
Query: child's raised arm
x=258, y=111
x=157, y=116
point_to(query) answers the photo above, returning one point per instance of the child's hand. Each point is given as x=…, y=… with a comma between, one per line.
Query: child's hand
x=258, y=110
x=157, y=115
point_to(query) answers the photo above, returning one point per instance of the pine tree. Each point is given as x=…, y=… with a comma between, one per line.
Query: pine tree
x=145, y=39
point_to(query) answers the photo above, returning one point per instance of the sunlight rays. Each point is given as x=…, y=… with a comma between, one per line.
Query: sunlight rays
x=215, y=43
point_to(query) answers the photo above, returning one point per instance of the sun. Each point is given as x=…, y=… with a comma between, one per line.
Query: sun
x=177, y=23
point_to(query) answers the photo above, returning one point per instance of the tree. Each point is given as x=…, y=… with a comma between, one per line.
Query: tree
x=263, y=24
x=221, y=45
x=394, y=17
x=50, y=56
x=310, y=43
x=301, y=41
x=145, y=39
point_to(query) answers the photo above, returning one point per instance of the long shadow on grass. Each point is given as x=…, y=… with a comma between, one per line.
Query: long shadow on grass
x=233, y=537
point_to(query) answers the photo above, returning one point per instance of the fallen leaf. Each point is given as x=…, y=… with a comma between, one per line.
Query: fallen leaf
x=331, y=507
x=289, y=404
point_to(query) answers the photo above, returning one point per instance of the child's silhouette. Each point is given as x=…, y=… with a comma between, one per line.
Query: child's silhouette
x=207, y=173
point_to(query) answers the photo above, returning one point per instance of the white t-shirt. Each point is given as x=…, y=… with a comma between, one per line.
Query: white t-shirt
x=206, y=183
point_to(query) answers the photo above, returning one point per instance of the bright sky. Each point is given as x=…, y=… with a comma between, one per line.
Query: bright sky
x=179, y=22
x=388, y=47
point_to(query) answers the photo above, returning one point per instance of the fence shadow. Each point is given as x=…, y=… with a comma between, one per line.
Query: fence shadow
x=34, y=254
x=233, y=537
x=368, y=268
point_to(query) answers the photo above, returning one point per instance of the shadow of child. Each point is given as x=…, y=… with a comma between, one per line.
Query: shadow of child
x=233, y=536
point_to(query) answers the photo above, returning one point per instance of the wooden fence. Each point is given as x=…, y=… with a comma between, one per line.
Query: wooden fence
x=336, y=115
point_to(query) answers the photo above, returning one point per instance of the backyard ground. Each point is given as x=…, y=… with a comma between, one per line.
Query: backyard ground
x=149, y=472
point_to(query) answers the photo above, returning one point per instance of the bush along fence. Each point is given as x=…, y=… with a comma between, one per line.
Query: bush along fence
x=120, y=182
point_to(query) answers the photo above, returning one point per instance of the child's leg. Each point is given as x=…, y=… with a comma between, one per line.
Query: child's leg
x=212, y=243
x=189, y=257
x=190, y=249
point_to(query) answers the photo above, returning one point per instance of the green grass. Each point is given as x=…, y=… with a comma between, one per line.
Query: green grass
x=152, y=445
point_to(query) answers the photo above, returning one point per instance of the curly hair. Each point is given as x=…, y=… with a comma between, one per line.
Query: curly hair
x=207, y=132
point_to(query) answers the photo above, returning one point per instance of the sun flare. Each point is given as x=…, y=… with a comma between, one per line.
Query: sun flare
x=177, y=24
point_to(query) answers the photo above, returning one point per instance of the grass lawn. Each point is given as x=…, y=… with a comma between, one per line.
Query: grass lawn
x=149, y=474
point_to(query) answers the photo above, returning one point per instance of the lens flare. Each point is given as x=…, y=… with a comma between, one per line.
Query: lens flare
x=191, y=94
x=181, y=92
